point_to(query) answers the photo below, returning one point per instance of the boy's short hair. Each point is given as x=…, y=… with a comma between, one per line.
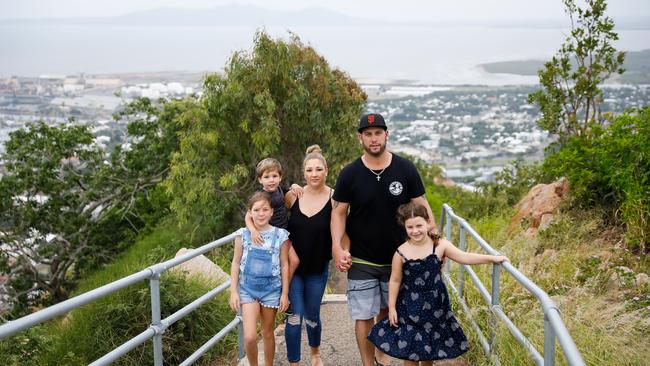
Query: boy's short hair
x=266, y=165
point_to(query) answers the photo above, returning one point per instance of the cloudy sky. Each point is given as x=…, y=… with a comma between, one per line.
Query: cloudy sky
x=416, y=10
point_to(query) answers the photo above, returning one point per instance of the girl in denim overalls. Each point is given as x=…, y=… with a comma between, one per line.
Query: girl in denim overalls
x=260, y=277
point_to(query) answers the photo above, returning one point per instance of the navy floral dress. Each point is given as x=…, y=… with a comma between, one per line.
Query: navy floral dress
x=427, y=328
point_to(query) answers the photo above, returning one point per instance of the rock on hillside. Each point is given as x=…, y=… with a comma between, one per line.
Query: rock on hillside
x=202, y=267
x=540, y=205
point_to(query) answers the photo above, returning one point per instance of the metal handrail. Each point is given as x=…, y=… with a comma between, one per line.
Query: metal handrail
x=554, y=328
x=158, y=325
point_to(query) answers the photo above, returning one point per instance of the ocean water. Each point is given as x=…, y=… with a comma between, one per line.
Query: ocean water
x=436, y=55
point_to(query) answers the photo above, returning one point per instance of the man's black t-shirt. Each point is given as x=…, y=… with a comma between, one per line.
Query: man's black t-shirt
x=372, y=224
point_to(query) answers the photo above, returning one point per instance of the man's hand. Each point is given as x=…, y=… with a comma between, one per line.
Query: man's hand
x=342, y=260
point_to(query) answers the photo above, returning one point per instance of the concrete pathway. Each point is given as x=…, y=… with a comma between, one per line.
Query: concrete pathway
x=338, y=344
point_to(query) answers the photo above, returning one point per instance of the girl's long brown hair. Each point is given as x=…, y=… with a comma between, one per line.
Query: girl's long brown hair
x=259, y=196
x=412, y=210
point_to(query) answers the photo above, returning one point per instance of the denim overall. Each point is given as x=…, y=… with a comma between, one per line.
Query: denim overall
x=257, y=282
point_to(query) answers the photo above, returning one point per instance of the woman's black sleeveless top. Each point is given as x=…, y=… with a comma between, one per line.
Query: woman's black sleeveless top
x=311, y=238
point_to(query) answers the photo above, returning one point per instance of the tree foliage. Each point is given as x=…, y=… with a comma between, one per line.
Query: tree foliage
x=570, y=97
x=66, y=205
x=512, y=183
x=49, y=199
x=273, y=101
x=144, y=160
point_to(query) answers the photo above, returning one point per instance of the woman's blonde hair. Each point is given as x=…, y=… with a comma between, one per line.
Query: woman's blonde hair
x=314, y=152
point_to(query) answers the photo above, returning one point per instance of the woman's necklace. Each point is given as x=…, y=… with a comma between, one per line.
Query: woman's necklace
x=378, y=175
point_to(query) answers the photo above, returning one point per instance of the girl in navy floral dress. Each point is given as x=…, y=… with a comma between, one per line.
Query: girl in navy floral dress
x=420, y=325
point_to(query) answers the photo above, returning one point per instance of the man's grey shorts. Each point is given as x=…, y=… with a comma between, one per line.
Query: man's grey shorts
x=367, y=289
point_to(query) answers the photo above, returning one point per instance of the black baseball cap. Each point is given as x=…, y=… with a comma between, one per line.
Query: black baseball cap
x=371, y=120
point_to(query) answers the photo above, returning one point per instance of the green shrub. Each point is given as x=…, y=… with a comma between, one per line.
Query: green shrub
x=610, y=167
x=512, y=183
x=471, y=205
x=490, y=198
x=25, y=348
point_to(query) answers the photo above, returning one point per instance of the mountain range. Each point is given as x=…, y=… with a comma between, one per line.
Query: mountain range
x=249, y=15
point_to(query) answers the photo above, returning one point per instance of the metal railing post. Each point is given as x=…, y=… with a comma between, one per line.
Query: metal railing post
x=442, y=219
x=549, y=343
x=240, y=339
x=496, y=288
x=154, y=285
x=461, y=270
x=448, y=224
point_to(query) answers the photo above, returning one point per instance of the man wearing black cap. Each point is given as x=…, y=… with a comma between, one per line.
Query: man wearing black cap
x=372, y=187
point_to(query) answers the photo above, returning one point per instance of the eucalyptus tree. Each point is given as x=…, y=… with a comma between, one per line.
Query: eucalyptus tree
x=66, y=205
x=570, y=94
x=51, y=198
x=275, y=100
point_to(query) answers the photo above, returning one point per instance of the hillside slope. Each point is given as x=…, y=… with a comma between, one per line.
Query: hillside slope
x=581, y=263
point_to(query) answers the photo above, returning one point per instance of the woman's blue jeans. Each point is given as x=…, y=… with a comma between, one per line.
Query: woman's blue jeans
x=305, y=295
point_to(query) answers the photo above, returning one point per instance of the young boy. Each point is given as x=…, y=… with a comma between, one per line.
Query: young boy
x=269, y=175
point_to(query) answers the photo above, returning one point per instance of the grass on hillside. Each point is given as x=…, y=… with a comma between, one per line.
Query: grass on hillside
x=578, y=261
x=161, y=244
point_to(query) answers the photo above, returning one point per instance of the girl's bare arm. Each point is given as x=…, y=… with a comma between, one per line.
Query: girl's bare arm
x=234, y=274
x=393, y=287
x=462, y=257
x=284, y=272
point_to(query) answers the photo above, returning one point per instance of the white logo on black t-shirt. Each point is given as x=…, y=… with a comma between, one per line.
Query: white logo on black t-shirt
x=395, y=188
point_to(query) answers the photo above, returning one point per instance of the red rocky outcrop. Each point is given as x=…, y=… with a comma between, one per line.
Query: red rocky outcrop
x=540, y=206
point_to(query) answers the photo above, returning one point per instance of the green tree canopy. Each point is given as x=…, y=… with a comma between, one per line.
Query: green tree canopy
x=273, y=101
x=66, y=204
x=50, y=198
x=570, y=97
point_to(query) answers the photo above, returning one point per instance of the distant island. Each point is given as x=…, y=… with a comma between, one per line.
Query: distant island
x=637, y=68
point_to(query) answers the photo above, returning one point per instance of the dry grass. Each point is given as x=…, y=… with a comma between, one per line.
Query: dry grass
x=577, y=262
